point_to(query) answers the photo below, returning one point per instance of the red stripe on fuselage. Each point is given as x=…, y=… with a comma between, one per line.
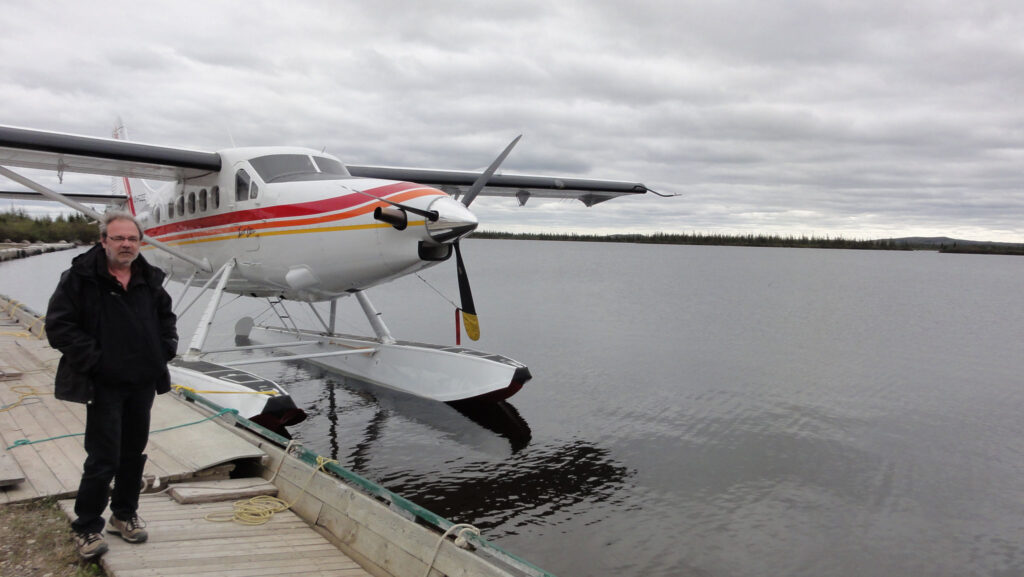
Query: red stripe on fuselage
x=317, y=209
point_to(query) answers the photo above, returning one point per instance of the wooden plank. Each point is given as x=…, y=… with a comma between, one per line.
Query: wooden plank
x=214, y=491
x=64, y=455
x=255, y=571
x=24, y=353
x=365, y=527
x=9, y=374
x=10, y=472
x=182, y=543
x=160, y=465
x=20, y=492
x=49, y=454
x=12, y=428
x=198, y=446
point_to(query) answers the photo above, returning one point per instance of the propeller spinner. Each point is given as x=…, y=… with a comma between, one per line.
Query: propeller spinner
x=447, y=221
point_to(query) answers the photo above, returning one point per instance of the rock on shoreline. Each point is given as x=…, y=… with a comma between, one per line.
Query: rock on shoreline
x=11, y=251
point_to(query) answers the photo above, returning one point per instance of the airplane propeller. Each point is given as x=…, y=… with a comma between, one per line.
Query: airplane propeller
x=481, y=181
x=469, y=318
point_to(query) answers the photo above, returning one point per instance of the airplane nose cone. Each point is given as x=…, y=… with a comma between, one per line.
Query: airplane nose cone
x=454, y=220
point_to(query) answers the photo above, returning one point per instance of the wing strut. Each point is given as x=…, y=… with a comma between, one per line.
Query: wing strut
x=203, y=265
x=195, y=348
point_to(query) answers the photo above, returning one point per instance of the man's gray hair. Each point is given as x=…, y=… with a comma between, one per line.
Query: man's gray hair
x=113, y=215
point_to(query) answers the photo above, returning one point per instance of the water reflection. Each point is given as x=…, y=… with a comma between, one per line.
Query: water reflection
x=500, y=486
x=538, y=484
x=472, y=424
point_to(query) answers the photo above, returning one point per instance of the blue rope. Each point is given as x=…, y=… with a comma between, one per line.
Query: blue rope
x=23, y=442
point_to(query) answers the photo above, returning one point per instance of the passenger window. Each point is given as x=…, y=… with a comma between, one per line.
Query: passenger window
x=191, y=203
x=241, y=185
x=215, y=197
x=202, y=200
x=156, y=214
x=254, y=190
x=181, y=206
x=170, y=209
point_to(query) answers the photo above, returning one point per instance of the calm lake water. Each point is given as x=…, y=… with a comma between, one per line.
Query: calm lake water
x=705, y=411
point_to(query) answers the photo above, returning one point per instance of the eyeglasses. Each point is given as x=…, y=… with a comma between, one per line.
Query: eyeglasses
x=120, y=239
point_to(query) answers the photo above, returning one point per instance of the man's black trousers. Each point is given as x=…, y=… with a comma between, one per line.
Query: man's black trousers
x=116, y=433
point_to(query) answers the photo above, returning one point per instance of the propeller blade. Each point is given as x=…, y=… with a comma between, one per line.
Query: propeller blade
x=481, y=180
x=469, y=318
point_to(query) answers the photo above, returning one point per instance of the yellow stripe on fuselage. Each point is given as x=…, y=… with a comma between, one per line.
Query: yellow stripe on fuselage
x=220, y=237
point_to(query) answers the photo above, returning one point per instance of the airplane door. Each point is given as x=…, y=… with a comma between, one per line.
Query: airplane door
x=247, y=198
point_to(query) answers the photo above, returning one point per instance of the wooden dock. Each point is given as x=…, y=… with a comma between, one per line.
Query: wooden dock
x=337, y=523
x=182, y=542
x=196, y=454
x=53, y=468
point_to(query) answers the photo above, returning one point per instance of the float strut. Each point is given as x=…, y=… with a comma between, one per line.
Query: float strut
x=375, y=319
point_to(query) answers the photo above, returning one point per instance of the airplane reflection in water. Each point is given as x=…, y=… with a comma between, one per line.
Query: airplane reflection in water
x=505, y=483
x=508, y=482
x=493, y=428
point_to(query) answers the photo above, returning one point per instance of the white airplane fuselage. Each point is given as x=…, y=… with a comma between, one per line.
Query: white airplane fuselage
x=294, y=223
x=305, y=234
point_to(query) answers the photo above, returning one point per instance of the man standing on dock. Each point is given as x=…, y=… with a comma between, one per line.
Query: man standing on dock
x=112, y=320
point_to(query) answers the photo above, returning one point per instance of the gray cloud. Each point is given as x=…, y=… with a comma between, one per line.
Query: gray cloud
x=861, y=119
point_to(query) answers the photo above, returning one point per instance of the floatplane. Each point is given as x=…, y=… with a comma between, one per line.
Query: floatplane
x=299, y=225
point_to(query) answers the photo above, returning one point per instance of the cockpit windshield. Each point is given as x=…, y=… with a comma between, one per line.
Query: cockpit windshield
x=331, y=166
x=292, y=167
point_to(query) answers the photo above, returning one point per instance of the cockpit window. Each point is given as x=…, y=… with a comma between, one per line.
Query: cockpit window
x=288, y=167
x=331, y=166
x=276, y=166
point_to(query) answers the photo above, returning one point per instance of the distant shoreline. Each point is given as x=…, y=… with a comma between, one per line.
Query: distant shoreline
x=78, y=228
x=940, y=244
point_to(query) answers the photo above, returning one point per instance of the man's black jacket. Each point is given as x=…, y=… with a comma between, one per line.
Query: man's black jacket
x=107, y=334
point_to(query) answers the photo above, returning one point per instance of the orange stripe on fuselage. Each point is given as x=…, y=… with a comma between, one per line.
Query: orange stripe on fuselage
x=237, y=230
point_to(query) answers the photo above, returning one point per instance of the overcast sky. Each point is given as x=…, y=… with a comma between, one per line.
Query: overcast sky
x=864, y=119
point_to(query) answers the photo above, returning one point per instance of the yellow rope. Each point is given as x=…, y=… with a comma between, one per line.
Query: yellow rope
x=9, y=310
x=460, y=541
x=24, y=392
x=191, y=390
x=37, y=321
x=260, y=509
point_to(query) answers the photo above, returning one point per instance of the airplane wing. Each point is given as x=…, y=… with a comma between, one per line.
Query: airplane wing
x=107, y=199
x=61, y=152
x=523, y=187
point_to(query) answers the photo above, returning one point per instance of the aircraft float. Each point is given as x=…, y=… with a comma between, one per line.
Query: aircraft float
x=298, y=225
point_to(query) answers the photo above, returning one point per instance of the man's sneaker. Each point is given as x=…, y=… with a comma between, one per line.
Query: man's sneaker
x=131, y=530
x=90, y=545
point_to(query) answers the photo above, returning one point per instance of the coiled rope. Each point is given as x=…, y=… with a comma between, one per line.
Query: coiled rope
x=261, y=509
x=24, y=392
x=460, y=541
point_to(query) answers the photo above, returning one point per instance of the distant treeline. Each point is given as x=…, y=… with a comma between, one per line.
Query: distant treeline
x=718, y=240
x=17, y=225
x=983, y=248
